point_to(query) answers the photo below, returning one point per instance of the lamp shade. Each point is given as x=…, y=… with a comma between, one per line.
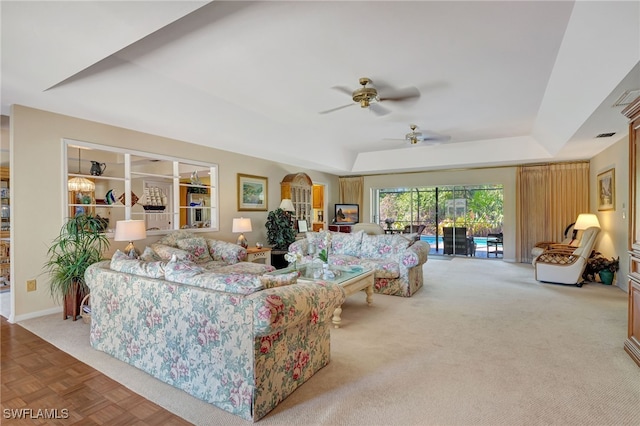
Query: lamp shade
x=80, y=184
x=287, y=205
x=130, y=230
x=586, y=220
x=241, y=224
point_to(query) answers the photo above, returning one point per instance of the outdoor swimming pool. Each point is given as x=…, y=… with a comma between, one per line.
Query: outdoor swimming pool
x=481, y=242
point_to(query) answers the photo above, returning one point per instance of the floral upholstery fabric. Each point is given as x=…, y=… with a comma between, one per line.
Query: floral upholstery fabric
x=166, y=252
x=241, y=353
x=242, y=268
x=346, y=243
x=148, y=255
x=396, y=262
x=123, y=263
x=197, y=246
x=270, y=281
x=229, y=252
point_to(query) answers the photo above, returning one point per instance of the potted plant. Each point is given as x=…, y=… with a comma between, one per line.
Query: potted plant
x=80, y=243
x=280, y=232
x=602, y=266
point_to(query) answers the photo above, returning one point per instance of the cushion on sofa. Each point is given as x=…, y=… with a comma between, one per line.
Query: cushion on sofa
x=382, y=246
x=167, y=252
x=178, y=270
x=122, y=263
x=148, y=255
x=383, y=268
x=270, y=281
x=197, y=246
x=229, y=252
x=172, y=238
x=317, y=240
x=346, y=243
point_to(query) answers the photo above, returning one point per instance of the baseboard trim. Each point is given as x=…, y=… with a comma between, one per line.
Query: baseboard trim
x=31, y=315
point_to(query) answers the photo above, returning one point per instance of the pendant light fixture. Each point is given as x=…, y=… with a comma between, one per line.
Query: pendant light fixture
x=80, y=184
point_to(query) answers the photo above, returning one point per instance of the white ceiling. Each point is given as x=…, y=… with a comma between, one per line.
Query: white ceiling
x=511, y=82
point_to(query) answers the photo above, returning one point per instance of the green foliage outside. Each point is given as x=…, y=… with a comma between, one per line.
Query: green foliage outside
x=480, y=209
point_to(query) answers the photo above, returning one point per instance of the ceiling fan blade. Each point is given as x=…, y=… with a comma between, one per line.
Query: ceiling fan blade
x=400, y=94
x=344, y=90
x=434, y=137
x=336, y=109
x=378, y=109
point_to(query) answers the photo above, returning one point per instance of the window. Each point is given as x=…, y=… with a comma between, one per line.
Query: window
x=477, y=208
x=116, y=184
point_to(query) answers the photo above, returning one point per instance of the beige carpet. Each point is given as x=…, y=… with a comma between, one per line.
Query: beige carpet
x=482, y=343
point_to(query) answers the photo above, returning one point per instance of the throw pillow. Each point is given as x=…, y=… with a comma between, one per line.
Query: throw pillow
x=172, y=238
x=166, y=252
x=120, y=262
x=148, y=255
x=228, y=252
x=197, y=246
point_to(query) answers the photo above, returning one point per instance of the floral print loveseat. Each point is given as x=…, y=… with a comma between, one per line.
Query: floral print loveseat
x=240, y=341
x=396, y=259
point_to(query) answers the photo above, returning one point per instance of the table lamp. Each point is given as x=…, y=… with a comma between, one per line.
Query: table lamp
x=287, y=205
x=586, y=220
x=241, y=224
x=130, y=230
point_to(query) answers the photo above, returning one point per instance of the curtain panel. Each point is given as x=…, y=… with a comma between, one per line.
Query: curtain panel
x=550, y=197
x=351, y=191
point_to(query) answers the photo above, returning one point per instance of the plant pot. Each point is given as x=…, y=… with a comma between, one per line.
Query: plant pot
x=606, y=277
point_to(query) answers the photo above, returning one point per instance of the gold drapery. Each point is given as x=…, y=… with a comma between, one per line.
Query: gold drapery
x=549, y=197
x=351, y=190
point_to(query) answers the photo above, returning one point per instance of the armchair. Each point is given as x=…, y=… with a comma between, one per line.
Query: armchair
x=571, y=240
x=565, y=264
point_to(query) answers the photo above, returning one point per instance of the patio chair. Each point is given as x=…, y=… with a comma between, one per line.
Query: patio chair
x=456, y=241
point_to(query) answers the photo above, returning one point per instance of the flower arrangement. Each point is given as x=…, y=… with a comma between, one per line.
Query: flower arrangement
x=323, y=255
x=292, y=258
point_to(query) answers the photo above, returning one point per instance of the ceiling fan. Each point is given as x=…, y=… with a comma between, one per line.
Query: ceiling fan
x=430, y=138
x=368, y=96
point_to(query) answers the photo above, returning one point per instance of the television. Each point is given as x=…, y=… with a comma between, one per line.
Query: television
x=347, y=214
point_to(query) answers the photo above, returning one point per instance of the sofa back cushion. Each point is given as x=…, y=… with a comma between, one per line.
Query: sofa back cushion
x=229, y=252
x=190, y=273
x=346, y=243
x=172, y=238
x=120, y=262
x=381, y=246
x=279, y=280
x=318, y=240
x=198, y=247
x=167, y=252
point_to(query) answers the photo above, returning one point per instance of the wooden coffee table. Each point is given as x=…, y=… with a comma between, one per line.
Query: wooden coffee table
x=352, y=278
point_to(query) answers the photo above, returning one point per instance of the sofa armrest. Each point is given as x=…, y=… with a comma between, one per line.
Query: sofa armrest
x=300, y=247
x=414, y=255
x=279, y=308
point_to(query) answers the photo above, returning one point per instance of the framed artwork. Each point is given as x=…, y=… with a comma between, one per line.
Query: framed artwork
x=303, y=226
x=252, y=193
x=607, y=190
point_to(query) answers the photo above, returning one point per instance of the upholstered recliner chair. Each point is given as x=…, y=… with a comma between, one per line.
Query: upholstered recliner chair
x=571, y=239
x=565, y=265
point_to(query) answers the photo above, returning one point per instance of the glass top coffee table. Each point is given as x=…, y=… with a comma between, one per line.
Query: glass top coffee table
x=352, y=278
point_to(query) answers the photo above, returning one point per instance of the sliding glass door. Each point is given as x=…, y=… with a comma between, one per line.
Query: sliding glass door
x=469, y=213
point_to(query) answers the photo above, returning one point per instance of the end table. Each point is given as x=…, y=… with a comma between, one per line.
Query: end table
x=255, y=253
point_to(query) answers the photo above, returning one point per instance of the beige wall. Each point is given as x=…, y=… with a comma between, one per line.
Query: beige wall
x=37, y=181
x=505, y=176
x=613, y=238
x=37, y=191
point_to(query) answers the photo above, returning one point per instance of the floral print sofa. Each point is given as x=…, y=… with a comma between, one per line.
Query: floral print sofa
x=396, y=259
x=240, y=341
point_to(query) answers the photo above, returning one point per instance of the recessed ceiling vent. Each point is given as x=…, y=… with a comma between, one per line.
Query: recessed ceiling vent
x=627, y=97
x=606, y=135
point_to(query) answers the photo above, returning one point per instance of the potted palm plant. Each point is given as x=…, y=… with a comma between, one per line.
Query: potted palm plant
x=80, y=243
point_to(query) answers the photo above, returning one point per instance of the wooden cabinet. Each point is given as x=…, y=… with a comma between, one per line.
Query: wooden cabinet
x=297, y=187
x=632, y=344
x=318, y=196
x=5, y=241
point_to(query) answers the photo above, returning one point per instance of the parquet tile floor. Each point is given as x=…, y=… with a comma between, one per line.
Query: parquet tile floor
x=44, y=385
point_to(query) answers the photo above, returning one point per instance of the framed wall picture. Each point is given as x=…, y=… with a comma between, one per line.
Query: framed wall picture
x=252, y=193
x=607, y=190
x=303, y=226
